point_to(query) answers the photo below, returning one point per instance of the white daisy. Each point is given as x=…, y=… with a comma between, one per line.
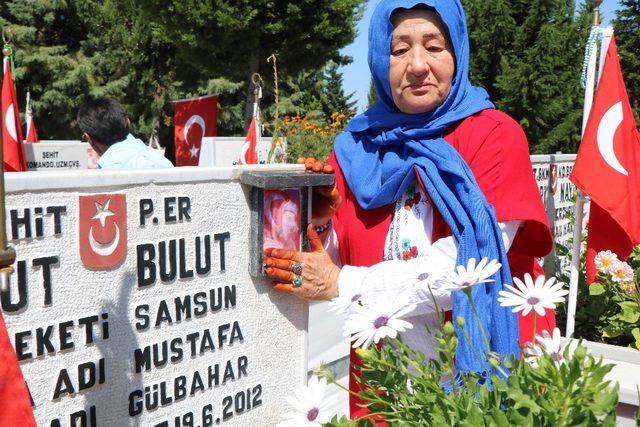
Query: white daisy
x=551, y=345
x=621, y=272
x=308, y=403
x=472, y=274
x=376, y=321
x=345, y=303
x=530, y=295
x=605, y=261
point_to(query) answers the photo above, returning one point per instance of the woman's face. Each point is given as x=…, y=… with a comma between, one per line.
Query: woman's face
x=422, y=63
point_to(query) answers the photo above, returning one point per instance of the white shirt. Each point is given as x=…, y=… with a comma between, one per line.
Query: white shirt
x=132, y=153
x=408, y=254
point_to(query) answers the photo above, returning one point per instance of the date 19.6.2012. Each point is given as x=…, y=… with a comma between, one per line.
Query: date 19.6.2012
x=232, y=405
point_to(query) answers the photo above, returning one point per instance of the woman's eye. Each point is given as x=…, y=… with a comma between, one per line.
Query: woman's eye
x=435, y=48
x=399, y=51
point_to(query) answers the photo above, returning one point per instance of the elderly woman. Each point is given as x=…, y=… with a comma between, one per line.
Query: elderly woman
x=428, y=178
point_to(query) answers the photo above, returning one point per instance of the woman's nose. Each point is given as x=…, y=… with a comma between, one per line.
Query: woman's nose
x=418, y=63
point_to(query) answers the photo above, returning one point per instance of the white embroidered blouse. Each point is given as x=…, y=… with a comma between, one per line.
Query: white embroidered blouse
x=409, y=253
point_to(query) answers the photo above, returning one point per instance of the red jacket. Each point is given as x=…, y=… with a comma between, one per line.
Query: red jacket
x=496, y=149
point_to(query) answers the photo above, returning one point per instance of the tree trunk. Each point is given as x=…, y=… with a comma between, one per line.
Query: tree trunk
x=254, y=67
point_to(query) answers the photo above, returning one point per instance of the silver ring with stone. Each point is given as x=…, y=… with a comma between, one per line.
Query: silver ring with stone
x=296, y=268
x=297, y=281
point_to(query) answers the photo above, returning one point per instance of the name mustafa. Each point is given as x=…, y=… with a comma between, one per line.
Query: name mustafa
x=194, y=344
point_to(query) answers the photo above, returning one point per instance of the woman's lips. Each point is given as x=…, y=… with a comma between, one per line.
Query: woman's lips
x=420, y=89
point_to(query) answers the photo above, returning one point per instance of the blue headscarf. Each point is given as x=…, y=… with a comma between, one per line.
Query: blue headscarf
x=382, y=150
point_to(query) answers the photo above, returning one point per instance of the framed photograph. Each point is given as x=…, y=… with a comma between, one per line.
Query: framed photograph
x=282, y=218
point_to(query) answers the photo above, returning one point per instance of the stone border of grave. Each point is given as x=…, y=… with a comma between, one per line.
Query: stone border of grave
x=56, y=180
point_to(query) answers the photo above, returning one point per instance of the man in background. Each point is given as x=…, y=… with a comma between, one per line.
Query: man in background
x=108, y=130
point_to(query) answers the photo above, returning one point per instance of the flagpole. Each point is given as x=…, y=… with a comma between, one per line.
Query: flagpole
x=607, y=34
x=28, y=113
x=7, y=254
x=578, y=212
x=256, y=114
x=257, y=96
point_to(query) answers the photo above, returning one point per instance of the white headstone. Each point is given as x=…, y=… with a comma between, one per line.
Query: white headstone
x=149, y=316
x=225, y=151
x=52, y=155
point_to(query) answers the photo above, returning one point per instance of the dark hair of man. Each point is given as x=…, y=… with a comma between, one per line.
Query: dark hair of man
x=104, y=120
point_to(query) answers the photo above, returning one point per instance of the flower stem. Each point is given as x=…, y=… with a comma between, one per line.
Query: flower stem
x=533, y=334
x=465, y=334
x=477, y=316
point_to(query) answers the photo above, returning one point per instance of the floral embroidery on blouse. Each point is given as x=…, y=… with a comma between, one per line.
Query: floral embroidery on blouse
x=408, y=250
x=413, y=198
x=409, y=208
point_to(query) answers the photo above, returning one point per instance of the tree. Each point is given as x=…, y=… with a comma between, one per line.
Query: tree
x=49, y=61
x=314, y=94
x=539, y=83
x=334, y=99
x=528, y=55
x=627, y=32
x=234, y=38
x=491, y=28
x=147, y=53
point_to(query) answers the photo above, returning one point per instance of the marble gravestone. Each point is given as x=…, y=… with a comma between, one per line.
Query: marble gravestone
x=52, y=155
x=132, y=302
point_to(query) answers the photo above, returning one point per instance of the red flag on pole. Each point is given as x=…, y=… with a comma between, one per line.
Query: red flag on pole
x=194, y=119
x=32, y=133
x=249, y=155
x=14, y=158
x=16, y=402
x=607, y=167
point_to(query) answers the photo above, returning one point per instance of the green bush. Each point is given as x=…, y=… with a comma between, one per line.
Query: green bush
x=405, y=389
x=311, y=137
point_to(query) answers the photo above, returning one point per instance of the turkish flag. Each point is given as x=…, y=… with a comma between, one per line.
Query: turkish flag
x=32, y=133
x=16, y=402
x=194, y=119
x=249, y=155
x=102, y=230
x=607, y=167
x=14, y=157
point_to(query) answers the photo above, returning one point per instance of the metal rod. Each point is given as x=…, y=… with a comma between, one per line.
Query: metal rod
x=578, y=213
x=589, y=88
x=7, y=255
x=596, y=12
x=593, y=75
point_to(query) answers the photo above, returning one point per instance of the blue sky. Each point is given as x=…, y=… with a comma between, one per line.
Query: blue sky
x=356, y=74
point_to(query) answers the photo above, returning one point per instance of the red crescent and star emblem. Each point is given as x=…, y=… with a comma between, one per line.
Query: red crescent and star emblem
x=102, y=230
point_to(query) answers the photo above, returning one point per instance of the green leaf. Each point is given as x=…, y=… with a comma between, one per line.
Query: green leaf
x=604, y=401
x=522, y=399
x=475, y=417
x=596, y=289
x=498, y=418
x=340, y=422
x=636, y=334
x=630, y=312
x=612, y=331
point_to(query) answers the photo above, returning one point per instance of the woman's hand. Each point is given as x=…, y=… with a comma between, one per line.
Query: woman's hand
x=307, y=275
x=326, y=200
